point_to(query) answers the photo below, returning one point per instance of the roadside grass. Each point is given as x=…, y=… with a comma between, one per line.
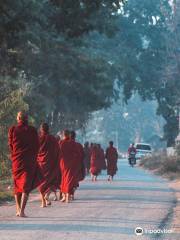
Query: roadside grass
x=6, y=192
x=161, y=164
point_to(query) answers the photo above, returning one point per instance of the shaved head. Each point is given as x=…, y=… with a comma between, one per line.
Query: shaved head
x=44, y=127
x=73, y=134
x=22, y=116
x=66, y=133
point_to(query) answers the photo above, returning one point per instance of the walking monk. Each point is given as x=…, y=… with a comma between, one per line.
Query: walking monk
x=24, y=145
x=87, y=157
x=70, y=167
x=48, y=160
x=80, y=167
x=102, y=157
x=95, y=168
x=112, y=157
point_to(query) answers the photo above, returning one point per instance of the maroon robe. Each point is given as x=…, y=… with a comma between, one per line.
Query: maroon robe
x=87, y=157
x=48, y=160
x=95, y=168
x=70, y=165
x=24, y=145
x=112, y=157
x=102, y=159
x=80, y=162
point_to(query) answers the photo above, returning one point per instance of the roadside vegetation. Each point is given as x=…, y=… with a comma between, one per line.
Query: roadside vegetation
x=162, y=164
x=6, y=192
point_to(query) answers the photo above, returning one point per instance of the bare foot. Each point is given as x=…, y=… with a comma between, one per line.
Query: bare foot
x=67, y=200
x=48, y=203
x=17, y=214
x=72, y=197
x=22, y=215
x=63, y=200
x=43, y=205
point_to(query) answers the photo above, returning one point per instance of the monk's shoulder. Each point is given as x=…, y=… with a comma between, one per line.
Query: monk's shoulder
x=65, y=143
x=11, y=130
x=79, y=145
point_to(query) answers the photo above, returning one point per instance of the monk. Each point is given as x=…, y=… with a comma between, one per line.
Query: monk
x=87, y=157
x=102, y=157
x=95, y=167
x=48, y=160
x=79, y=163
x=70, y=167
x=24, y=145
x=112, y=157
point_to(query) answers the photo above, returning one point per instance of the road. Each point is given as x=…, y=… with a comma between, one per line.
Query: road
x=101, y=211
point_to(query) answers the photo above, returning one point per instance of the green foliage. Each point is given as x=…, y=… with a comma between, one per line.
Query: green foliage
x=11, y=100
x=145, y=56
x=63, y=60
x=124, y=124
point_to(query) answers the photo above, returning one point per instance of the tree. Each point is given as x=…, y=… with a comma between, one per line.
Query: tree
x=143, y=57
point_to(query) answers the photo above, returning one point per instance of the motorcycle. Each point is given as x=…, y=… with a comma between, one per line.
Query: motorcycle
x=132, y=159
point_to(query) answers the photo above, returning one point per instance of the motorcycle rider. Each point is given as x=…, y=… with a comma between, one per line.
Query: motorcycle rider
x=131, y=152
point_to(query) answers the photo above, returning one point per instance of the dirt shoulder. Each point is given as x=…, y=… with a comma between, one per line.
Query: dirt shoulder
x=169, y=168
x=176, y=216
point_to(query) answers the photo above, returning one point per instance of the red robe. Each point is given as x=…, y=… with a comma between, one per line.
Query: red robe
x=70, y=165
x=87, y=158
x=80, y=162
x=102, y=159
x=95, y=168
x=24, y=145
x=112, y=157
x=48, y=160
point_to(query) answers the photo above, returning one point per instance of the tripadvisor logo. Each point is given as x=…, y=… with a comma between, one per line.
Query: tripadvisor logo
x=139, y=231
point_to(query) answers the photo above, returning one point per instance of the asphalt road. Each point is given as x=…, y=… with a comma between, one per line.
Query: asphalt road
x=101, y=211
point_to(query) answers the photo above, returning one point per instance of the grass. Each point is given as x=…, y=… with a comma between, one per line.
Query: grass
x=6, y=192
x=162, y=164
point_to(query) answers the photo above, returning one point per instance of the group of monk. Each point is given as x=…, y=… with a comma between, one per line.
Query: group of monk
x=96, y=160
x=51, y=164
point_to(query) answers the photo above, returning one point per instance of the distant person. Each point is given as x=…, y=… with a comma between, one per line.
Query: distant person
x=102, y=157
x=131, y=152
x=87, y=157
x=112, y=157
x=95, y=166
x=132, y=149
x=70, y=167
x=48, y=160
x=24, y=146
x=58, y=138
x=91, y=147
x=79, y=159
x=65, y=137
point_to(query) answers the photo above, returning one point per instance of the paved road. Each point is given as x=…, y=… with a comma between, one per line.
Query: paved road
x=102, y=211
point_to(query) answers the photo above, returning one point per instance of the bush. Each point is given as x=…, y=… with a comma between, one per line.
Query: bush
x=163, y=164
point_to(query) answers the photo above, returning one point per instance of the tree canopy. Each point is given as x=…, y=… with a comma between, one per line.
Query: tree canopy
x=62, y=60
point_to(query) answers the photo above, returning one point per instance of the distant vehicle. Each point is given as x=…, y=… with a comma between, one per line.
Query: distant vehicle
x=143, y=149
x=132, y=159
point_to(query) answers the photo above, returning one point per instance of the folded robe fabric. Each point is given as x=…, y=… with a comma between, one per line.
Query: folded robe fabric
x=102, y=159
x=87, y=157
x=24, y=145
x=48, y=160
